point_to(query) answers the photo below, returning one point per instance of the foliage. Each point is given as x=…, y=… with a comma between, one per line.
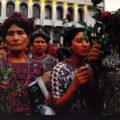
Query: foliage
x=98, y=32
x=105, y=31
x=5, y=73
x=4, y=76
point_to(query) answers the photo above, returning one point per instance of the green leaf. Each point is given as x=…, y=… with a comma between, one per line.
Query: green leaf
x=84, y=24
x=85, y=34
x=18, y=88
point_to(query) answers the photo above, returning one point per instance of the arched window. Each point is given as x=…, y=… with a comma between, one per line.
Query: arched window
x=48, y=12
x=24, y=9
x=0, y=8
x=80, y=14
x=70, y=10
x=10, y=8
x=36, y=11
x=59, y=13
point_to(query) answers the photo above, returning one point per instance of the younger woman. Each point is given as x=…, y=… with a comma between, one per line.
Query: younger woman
x=71, y=78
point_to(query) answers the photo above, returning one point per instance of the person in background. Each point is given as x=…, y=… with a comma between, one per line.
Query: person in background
x=39, y=42
x=72, y=79
x=17, y=70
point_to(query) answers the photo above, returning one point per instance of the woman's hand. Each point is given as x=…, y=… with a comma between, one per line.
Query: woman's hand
x=94, y=54
x=81, y=77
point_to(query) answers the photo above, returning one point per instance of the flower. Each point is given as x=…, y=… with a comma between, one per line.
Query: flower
x=111, y=22
x=69, y=17
x=105, y=16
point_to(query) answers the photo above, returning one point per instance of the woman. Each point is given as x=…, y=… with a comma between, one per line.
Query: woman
x=72, y=78
x=38, y=43
x=17, y=69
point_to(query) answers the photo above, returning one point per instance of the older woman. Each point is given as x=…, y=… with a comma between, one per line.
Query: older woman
x=17, y=69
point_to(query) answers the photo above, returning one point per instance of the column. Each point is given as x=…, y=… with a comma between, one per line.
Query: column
x=30, y=4
x=17, y=5
x=65, y=9
x=54, y=12
x=75, y=14
x=85, y=13
x=3, y=9
x=42, y=12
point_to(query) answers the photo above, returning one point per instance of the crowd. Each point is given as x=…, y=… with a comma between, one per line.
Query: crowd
x=70, y=76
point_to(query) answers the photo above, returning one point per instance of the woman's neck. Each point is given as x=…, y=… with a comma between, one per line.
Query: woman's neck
x=39, y=56
x=17, y=57
x=76, y=61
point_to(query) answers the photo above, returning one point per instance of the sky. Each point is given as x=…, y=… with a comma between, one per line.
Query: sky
x=111, y=5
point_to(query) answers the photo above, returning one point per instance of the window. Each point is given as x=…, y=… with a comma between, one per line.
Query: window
x=59, y=13
x=80, y=14
x=0, y=8
x=36, y=11
x=24, y=9
x=10, y=8
x=70, y=10
x=48, y=12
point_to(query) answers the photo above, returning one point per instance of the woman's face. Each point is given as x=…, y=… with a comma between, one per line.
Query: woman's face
x=39, y=45
x=16, y=38
x=80, y=46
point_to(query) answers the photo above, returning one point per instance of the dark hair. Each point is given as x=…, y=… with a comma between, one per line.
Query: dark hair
x=39, y=33
x=70, y=34
x=1, y=39
x=20, y=20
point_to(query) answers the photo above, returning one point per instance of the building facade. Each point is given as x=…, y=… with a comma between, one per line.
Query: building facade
x=49, y=14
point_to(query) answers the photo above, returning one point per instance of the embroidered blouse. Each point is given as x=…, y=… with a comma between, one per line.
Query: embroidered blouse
x=22, y=75
x=49, y=62
x=62, y=77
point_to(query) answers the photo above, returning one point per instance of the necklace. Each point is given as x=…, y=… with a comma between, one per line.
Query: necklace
x=28, y=72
